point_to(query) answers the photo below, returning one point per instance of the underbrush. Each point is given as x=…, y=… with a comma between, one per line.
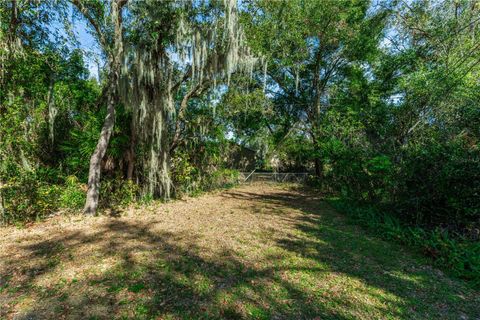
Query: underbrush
x=453, y=253
x=221, y=179
x=31, y=197
x=195, y=184
x=28, y=198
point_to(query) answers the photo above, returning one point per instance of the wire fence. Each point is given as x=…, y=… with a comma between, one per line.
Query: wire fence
x=279, y=177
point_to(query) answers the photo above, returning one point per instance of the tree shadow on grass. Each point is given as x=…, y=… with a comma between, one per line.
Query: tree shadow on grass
x=155, y=275
x=325, y=235
x=129, y=269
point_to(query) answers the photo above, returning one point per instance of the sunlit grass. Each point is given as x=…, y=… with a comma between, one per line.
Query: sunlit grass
x=295, y=258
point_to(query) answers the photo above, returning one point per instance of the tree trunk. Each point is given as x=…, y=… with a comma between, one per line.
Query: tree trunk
x=52, y=113
x=3, y=219
x=131, y=165
x=91, y=203
x=318, y=167
x=115, y=55
x=12, y=32
x=131, y=153
x=180, y=116
x=317, y=160
x=197, y=89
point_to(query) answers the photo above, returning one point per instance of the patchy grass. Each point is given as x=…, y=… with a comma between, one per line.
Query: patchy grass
x=254, y=252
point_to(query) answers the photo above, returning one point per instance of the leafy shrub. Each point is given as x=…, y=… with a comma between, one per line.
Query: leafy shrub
x=26, y=198
x=73, y=194
x=458, y=256
x=117, y=192
x=187, y=179
x=439, y=185
x=223, y=178
x=185, y=176
x=379, y=171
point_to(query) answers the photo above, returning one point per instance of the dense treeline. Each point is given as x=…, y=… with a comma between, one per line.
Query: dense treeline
x=395, y=115
x=379, y=101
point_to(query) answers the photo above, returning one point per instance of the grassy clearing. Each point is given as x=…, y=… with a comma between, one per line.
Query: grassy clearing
x=254, y=252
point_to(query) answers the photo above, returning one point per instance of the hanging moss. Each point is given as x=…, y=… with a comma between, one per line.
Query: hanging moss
x=209, y=53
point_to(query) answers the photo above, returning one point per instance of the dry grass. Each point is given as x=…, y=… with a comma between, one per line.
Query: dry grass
x=255, y=252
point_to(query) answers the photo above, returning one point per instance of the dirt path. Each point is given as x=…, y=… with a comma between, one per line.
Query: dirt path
x=255, y=252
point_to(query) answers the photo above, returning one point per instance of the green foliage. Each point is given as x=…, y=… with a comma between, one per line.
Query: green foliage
x=458, y=256
x=28, y=198
x=72, y=195
x=81, y=144
x=185, y=175
x=83, y=139
x=118, y=192
x=224, y=178
x=246, y=111
x=36, y=195
x=189, y=180
x=439, y=185
x=42, y=89
x=295, y=153
x=402, y=132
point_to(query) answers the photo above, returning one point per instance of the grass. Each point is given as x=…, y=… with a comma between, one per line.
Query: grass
x=458, y=256
x=254, y=252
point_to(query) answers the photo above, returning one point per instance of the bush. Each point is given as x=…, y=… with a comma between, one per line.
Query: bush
x=26, y=198
x=458, y=256
x=73, y=194
x=223, y=178
x=439, y=185
x=185, y=176
x=118, y=192
x=188, y=179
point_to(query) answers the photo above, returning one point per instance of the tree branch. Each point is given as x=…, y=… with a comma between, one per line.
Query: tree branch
x=196, y=90
x=101, y=36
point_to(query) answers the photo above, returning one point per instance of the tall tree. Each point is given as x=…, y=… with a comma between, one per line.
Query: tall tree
x=310, y=46
x=179, y=52
x=106, y=19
